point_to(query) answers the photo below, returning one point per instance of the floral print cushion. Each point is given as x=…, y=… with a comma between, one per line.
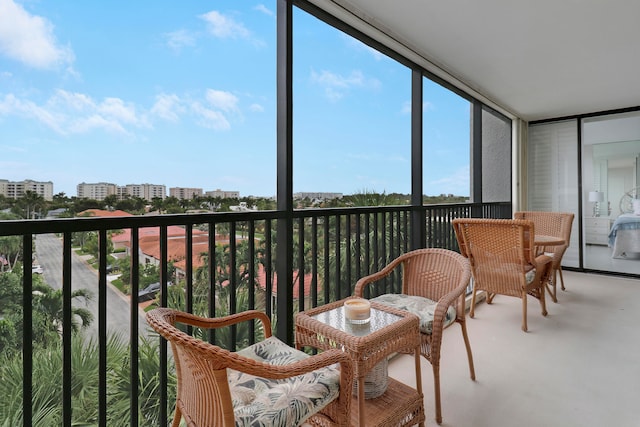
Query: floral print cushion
x=422, y=307
x=530, y=275
x=262, y=402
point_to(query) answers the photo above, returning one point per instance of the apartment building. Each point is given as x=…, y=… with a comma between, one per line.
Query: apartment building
x=17, y=189
x=184, y=193
x=143, y=191
x=223, y=194
x=97, y=191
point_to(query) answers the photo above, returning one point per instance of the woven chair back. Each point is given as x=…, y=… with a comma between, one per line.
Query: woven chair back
x=500, y=252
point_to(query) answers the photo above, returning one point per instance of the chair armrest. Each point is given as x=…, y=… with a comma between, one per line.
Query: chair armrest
x=219, y=322
x=364, y=281
x=542, y=264
x=443, y=305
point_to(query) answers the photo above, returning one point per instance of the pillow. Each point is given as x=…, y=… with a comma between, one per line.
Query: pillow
x=636, y=206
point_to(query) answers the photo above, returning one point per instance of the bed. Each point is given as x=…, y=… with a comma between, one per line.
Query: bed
x=624, y=237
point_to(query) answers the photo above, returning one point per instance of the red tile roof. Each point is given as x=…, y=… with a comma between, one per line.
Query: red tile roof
x=103, y=213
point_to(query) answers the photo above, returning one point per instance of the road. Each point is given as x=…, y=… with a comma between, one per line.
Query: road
x=83, y=276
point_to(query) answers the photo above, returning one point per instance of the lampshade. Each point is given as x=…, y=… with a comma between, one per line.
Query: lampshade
x=596, y=196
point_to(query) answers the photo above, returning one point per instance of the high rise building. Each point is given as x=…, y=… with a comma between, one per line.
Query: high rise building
x=17, y=189
x=97, y=191
x=223, y=194
x=184, y=193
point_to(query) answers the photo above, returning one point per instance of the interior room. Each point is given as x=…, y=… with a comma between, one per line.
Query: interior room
x=610, y=165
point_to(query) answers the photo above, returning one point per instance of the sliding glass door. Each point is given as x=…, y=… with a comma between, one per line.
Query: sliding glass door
x=610, y=182
x=606, y=231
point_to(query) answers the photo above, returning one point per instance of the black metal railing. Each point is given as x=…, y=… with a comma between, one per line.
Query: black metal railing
x=225, y=263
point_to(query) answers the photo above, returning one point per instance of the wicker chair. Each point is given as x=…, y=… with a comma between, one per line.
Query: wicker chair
x=503, y=261
x=557, y=224
x=219, y=388
x=434, y=284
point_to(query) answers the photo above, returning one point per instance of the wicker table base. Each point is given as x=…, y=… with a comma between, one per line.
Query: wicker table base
x=399, y=406
x=389, y=331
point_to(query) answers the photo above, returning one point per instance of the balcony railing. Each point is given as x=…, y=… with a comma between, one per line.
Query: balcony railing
x=225, y=263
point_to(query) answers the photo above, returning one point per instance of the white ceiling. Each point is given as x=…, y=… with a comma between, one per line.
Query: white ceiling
x=536, y=59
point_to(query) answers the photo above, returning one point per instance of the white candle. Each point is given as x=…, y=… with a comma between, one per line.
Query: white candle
x=357, y=310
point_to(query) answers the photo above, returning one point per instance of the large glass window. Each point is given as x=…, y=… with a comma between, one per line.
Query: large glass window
x=611, y=184
x=446, y=145
x=180, y=94
x=351, y=114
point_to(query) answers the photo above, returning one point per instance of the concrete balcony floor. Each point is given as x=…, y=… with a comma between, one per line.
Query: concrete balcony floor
x=579, y=366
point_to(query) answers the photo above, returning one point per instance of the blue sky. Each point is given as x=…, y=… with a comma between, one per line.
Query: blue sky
x=183, y=94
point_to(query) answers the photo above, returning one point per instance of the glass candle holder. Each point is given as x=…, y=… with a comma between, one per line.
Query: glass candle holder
x=357, y=310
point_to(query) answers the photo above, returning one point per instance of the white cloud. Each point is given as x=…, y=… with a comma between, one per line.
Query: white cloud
x=30, y=39
x=73, y=113
x=118, y=110
x=456, y=183
x=168, y=107
x=222, y=100
x=68, y=113
x=336, y=85
x=262, y=8
x=210, y=118
x=256, y=108
x=96, y=121
x=176, y=40
x=76, y=101
x=224, y=27
x=359, y=46
x=12, y=105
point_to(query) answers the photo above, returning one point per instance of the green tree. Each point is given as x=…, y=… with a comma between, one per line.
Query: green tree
x=10, y=251
x=47, y=392
x=110, y=201
x=30, y=204
x=48, y=302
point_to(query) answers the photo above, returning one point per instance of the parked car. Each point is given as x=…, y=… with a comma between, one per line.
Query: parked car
x=150, y=291
x=36, y=269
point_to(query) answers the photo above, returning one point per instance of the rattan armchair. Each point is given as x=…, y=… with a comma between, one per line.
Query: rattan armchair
x=503, y=260
x=434, y=285
x=266, y=384
x=556, y=224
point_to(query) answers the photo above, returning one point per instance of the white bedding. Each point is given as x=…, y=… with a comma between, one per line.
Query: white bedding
x=625, y=237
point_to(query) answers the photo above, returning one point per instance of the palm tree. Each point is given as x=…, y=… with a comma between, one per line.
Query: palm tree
x=48, y=302
x=30, y=203
x=10, y=249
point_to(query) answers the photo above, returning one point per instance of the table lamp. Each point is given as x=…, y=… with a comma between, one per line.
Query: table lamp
x=596, y=197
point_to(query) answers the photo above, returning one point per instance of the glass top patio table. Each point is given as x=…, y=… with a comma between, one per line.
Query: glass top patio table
x=336, y=318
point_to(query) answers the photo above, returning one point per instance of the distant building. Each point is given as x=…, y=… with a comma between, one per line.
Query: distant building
x=316, y=196
x=223, y=194
x=17, y=189
x=144, y=191
x=97, y=191
x=183, y=193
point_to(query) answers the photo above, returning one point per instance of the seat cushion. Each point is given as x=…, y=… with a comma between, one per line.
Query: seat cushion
x=530, y=275
x=422, y=307
x=288, y=402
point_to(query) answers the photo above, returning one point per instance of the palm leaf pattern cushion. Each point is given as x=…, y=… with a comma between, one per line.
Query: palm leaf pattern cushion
x=262, y=402
x=422, y=307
